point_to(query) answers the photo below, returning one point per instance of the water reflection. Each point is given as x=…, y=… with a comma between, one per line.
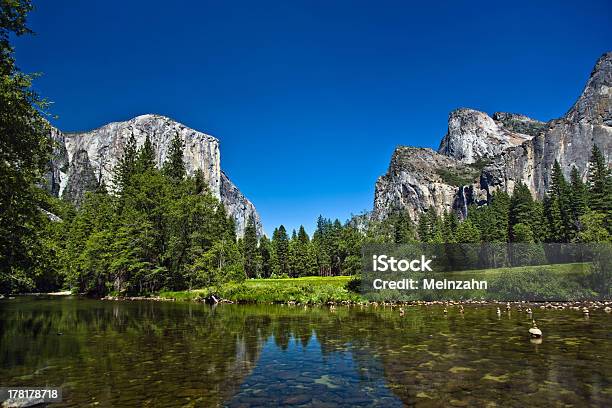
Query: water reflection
x=177, y=354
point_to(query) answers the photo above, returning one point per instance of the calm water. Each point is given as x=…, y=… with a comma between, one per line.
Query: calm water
x=181, y=354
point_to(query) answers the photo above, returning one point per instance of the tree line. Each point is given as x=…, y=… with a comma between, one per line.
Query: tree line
x=159, y=228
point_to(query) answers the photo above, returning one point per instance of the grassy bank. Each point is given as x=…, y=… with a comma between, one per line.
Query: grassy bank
x=303, y=290
x=545, y=282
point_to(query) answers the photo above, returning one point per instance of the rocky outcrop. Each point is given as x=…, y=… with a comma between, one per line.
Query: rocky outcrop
x=419, y=179
x=568, y=140
x=517, y=123
x=58, y=166
x=238, y=206
x=481, y=154
x=90, y=158
x=474, y=136
x=81, y=178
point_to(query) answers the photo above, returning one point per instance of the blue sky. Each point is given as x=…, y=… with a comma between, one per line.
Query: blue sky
x=309, y=98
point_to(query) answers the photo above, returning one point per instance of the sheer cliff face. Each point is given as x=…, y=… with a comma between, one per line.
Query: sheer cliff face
x=474, y=135
x=418, y=179
x=481, y=154
x=568, y=140
x=83, y=159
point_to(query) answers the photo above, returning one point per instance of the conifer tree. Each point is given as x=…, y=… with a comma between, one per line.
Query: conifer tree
x=199, y=182
x=303, y=260
x=280, y=248
x=424, y=229
x=403, y=229
x=249, y=243
x=467, y=232
x=557, y=207
x=599, y=183
x=578, y=200
x=500, y=208
x=265, y=257
x=146, y=157
x=126, y=167
x=521, y=209
x=450, y=223
x=174, y=167
x=321, y=241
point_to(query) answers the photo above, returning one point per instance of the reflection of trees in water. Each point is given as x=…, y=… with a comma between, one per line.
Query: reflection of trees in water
x=183, y=350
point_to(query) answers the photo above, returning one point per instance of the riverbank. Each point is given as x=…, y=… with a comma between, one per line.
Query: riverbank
x=306, y=290
x=342, y=290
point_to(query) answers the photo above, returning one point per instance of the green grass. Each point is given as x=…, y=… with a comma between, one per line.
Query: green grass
x=570, y=269
x=311, y=290
x=320, y=290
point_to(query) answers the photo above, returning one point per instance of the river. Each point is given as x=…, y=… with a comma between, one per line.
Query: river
x=142, y=353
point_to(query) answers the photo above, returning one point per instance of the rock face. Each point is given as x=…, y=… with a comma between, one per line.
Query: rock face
x=474, y=135
x=568, y=140
x=420, y=178
x=85, y=159
x=58, y=164
x=481, y=154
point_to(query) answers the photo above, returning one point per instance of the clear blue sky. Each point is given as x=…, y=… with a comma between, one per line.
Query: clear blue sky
x=309, y=98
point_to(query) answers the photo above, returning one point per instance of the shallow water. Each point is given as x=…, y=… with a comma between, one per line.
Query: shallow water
x=184, y=354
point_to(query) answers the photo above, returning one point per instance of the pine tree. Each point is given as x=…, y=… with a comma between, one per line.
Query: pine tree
x=321, y=241
x=435, y=225
x=522, y=233
x=424, y=229
x=467, y=232
x=450, y=223
x=403, y=231
x=578, y=200
x=521, y=209
x=500, y=208
x=599, y=182
x=304, y=262
x=600, y=187
x=146, y=157
x=174, y=167
x=249, y=243
x=265, y=255
x=280, y=250
x=199, y=182
x=557, y=207
x=126, y=167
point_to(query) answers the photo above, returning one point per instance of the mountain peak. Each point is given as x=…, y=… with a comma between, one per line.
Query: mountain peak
x=595, y=103
x=473, y=135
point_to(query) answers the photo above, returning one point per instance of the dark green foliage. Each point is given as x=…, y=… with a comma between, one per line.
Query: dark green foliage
x=280, y=252
x=302, y=260
x=404, y=230
x=126, y=167
x=25, y=149
x=458, y=177
x=158, y=233
x=578, y=200
x=558, y=208
x=521, y=212
x=450, y=223
x=492, y=220
x=146, y=157
x=174, y=167
x=600, y=186
x=265, y=255
x=251, y=252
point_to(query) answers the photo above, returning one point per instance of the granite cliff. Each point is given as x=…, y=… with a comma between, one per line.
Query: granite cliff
x=81, y=160
x=480, y=154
